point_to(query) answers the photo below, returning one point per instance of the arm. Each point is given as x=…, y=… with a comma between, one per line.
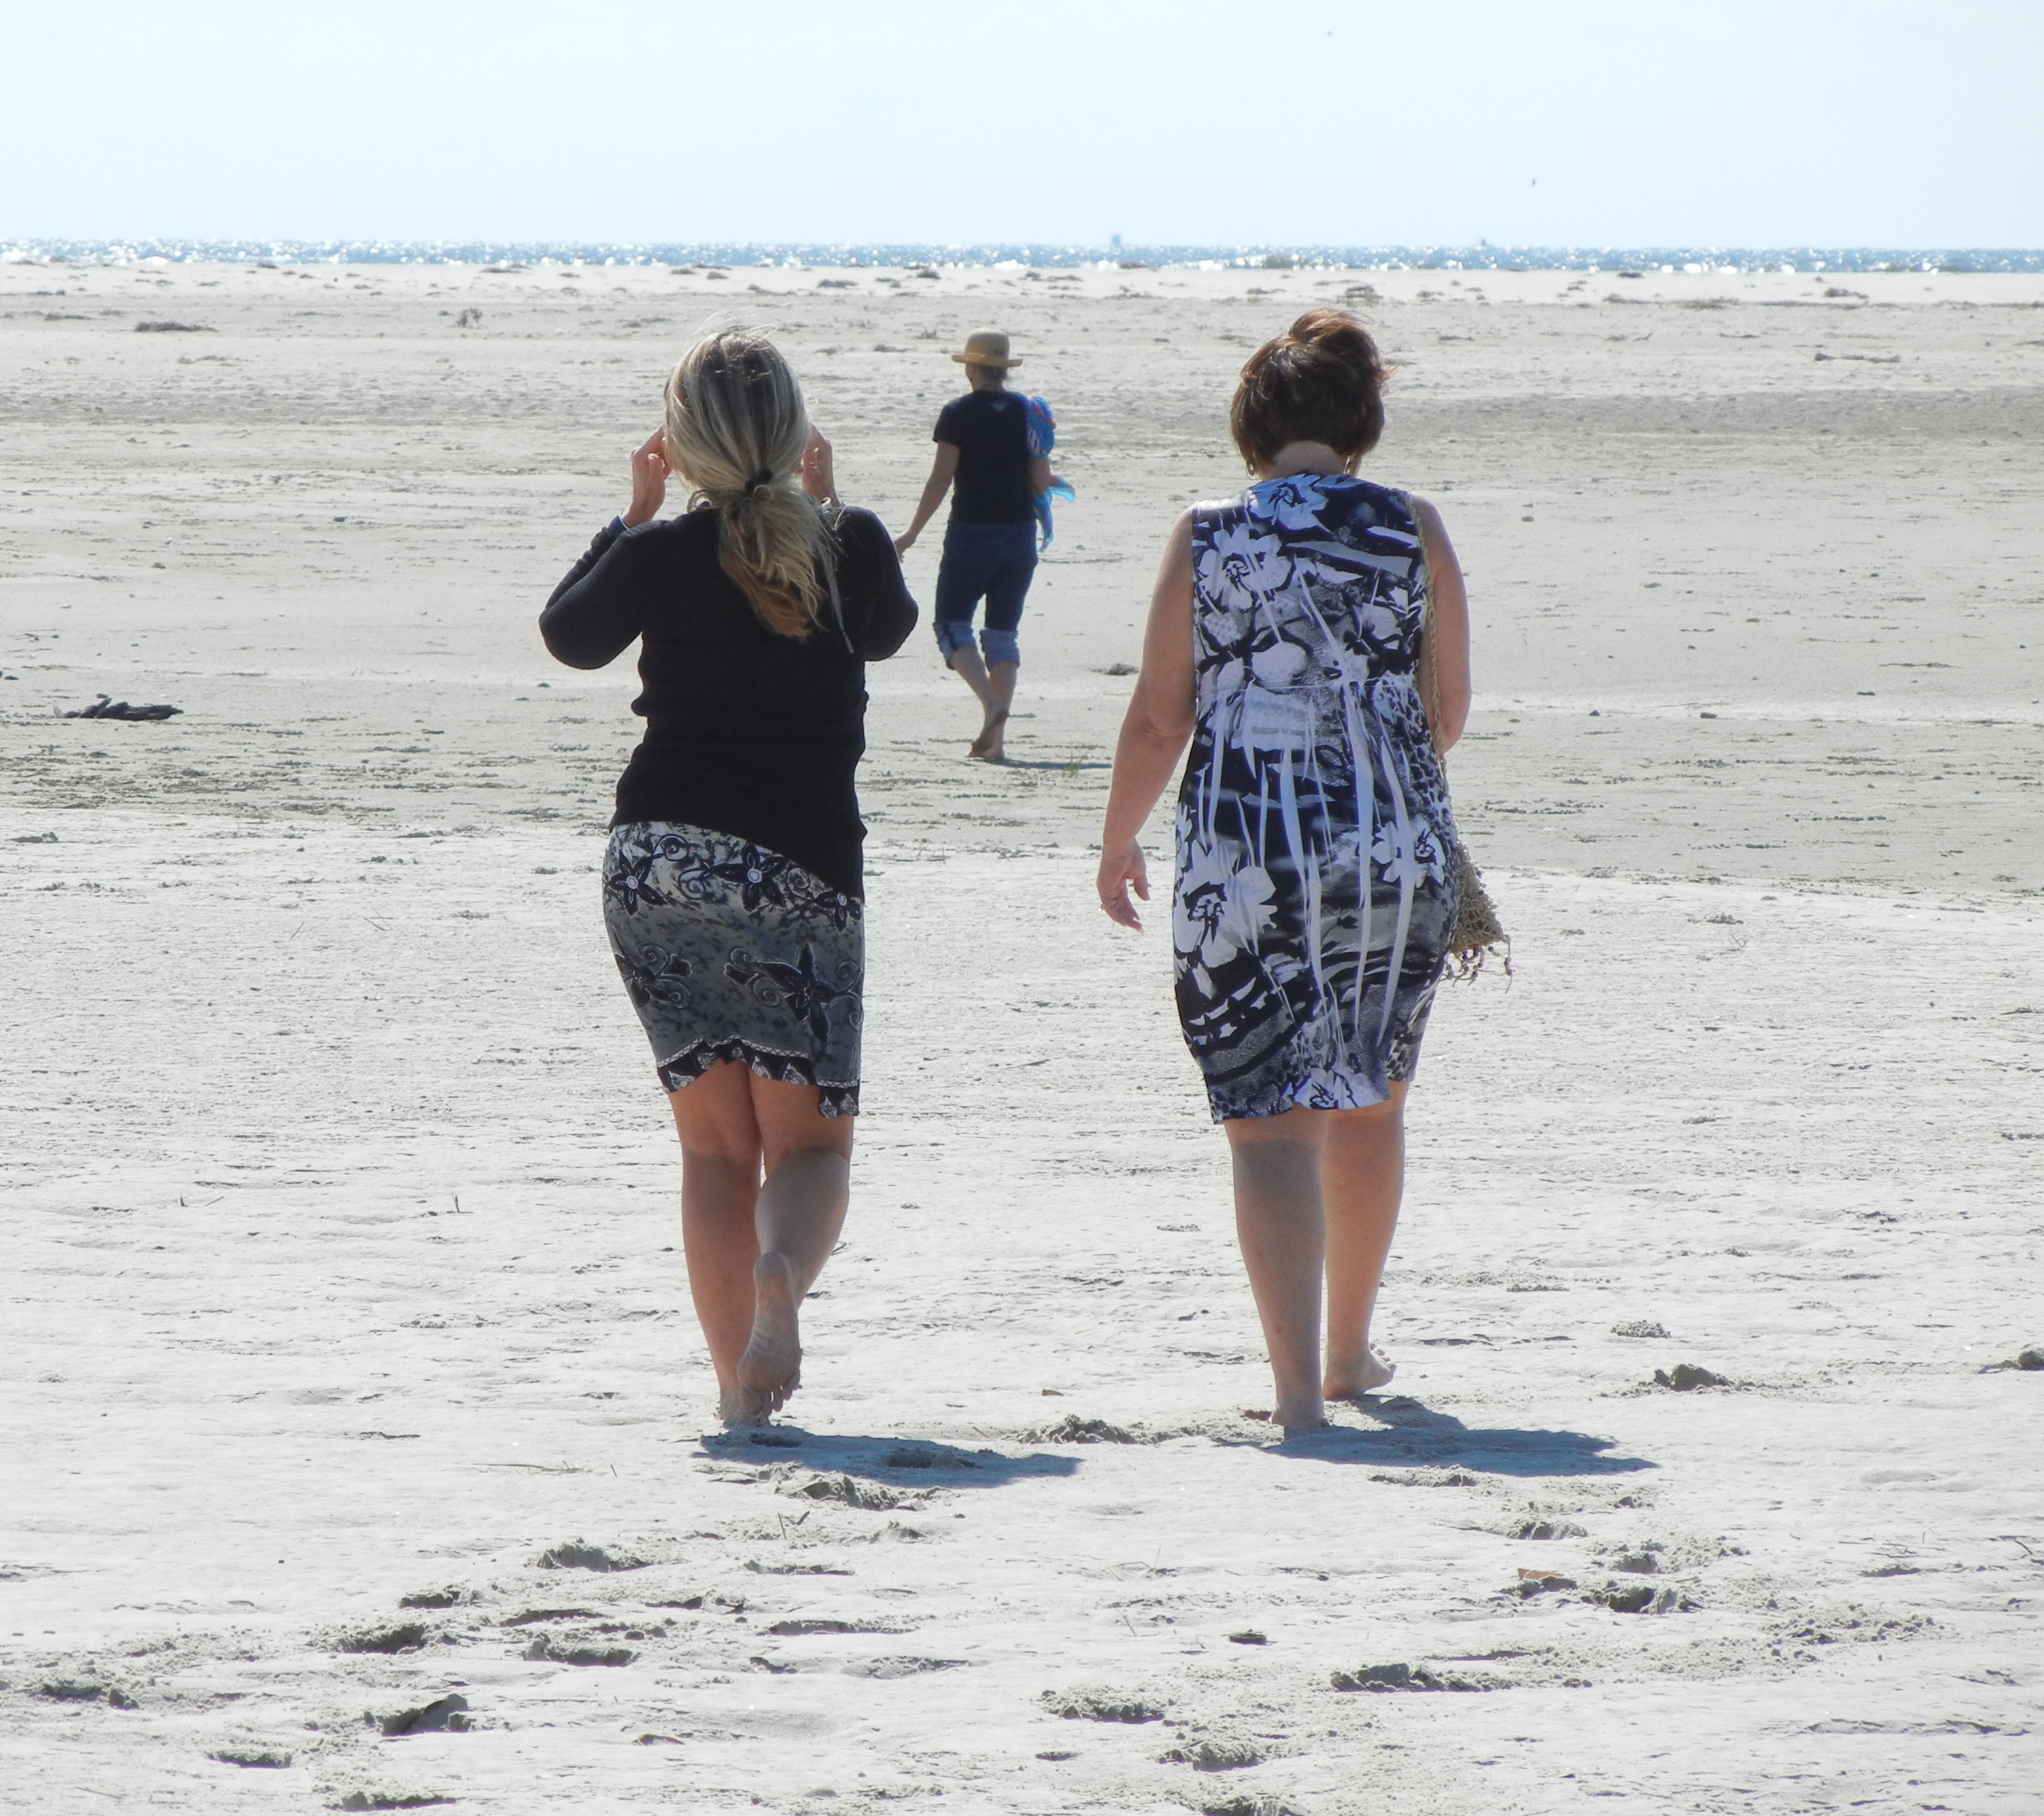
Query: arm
x=594, y=613
x=1444, y=658
x=943, y=470
x=1154, y=732
x=879, y=610
x=1040, y=475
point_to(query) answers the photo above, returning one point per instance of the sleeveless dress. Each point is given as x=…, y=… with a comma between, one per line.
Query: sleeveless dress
x=1316, y=881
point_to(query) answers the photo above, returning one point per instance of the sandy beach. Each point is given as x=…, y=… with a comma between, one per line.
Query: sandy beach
x=360, y=1447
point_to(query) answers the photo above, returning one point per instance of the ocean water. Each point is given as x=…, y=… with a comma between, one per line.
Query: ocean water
x=1480, y=257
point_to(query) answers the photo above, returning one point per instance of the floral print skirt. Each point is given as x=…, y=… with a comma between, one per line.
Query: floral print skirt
x=732, y=952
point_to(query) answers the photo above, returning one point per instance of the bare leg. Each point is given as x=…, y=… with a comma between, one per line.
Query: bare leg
x=994, y=688
x=1281, y=1227
x=1363, y=1175
x=719, y=1190
x=1001, y=678
x=966, y=663
x=800, y=1210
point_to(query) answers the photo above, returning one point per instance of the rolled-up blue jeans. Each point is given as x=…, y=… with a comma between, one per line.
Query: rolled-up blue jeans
x=993, y=561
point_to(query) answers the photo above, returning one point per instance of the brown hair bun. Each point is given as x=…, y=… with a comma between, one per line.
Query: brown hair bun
x=1321, y=380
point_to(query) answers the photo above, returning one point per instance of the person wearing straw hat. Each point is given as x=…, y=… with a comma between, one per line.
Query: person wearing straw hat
x=988, y=460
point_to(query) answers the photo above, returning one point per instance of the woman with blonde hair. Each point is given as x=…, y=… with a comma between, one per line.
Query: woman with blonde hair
x=1316, y=881
x=733, y=885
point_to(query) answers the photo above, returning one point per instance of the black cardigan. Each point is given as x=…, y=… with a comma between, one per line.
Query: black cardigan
x=747, y=732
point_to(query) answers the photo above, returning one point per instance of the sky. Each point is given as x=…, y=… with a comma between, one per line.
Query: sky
x=1739, y=123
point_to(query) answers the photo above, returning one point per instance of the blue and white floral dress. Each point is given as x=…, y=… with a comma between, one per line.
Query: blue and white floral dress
x=1316, y=884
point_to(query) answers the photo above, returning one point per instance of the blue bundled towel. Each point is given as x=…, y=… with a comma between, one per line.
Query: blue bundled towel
x=1042, y=428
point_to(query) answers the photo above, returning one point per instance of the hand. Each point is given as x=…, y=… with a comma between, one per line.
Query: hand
x=904, y=543
x=649, y=479
x=1121, y=870
x=818, y=478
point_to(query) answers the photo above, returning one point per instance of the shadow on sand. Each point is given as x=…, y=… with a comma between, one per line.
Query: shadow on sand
x=900, y=1462
x=1411, y=1436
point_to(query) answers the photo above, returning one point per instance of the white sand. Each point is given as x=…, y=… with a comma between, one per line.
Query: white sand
x=341, y=1197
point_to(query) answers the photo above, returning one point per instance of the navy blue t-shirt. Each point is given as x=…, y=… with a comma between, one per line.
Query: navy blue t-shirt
x=990, y=431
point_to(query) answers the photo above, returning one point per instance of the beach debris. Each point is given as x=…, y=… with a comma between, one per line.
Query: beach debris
x=35, y=839
x=250, y=1757
x=836, y=284
x=922, y=1457
x=1636, y=1563
x=408, y=1638
x=772, y=1665
x=449, y=1715
x=1685, y=1378
x=893, y=1533
x=70, y=1690
x=1120, y=668
x=1640, y=1598
x=106, y=707
x=1547, y=1529
x=852, y=1494
x=173, y=327
x=1213, y=1755
x=2028, y=1360
x=1100, y=1705
x=1249, y=1636
x=784, y=1629
x=542, y=1650
x=893, y=1668
x=469, y=318
x=1538, y=1583
x=1382, y=1678
x=658, y=1741
x=500, y=271
x=1073, y=1429
x=1238, y=1806
x=1639, y=1327
x=435, y=1599
x=577, y=1556
x=390, y=1800
x=533, y=1617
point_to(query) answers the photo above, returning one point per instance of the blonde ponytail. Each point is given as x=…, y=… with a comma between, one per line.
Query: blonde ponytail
x=736, y=428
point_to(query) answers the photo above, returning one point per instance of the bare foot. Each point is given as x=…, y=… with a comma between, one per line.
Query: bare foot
x=771, y=1367
x=1310, y=1415
x=1376, y=1372
x=986, y=748
x=731, y=1413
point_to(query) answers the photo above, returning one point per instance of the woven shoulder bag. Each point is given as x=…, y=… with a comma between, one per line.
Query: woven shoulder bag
x=1477, y=932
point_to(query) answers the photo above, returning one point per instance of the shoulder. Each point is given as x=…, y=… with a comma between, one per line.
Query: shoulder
x=672, y=535
x=858, y=531
x=1363, y=513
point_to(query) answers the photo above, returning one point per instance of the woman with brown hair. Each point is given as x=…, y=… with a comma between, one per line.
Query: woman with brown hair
x=1316, y=885
x=733, y=887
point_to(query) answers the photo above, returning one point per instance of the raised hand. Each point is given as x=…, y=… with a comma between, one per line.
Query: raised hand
x=819, y=477
x=649, y=479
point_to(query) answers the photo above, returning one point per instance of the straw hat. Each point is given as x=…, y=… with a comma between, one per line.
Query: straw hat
x=986, y=348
